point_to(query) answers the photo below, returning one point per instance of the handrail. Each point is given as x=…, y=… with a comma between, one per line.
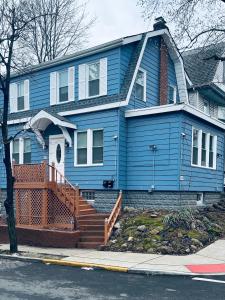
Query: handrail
x=54, y=178
x=110, y=222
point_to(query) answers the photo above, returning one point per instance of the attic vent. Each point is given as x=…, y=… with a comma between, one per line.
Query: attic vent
x=160, y=23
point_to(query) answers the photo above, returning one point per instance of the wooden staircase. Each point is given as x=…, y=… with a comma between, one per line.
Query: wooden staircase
x=95, y=228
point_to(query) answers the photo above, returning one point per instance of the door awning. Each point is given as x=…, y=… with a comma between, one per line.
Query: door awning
x=43, y=119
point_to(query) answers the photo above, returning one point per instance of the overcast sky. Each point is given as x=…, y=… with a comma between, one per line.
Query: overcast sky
x=115, y=18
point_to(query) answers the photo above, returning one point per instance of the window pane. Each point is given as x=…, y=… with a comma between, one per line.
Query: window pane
x=82, y=156
x=27, y=145
x=15, y=158
x=20, y=87
x=94, y=71
x=63, y=79
x=20, y=103
x=140, y=78
x=27, y=158
x=195, y=156
x=206, y=107
x=211, y=159
x=82, y=140
x=139, y=91
x=211, y=143
x=16, y=146
x=171, y=94
x=63, y=94
x=195, y=138
x=93, y=89
x=203, y=163
x=97, y=155
x=97, y=138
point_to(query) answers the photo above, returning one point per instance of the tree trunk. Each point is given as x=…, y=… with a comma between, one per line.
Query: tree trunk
x=9, y=205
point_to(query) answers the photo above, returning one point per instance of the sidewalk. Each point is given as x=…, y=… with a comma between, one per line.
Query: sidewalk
x=210, y=260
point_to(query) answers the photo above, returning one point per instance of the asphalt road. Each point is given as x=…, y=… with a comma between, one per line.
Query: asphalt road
x=26, y=281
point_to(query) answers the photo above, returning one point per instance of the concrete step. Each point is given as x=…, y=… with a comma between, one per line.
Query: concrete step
x=89, y=245
x=92, y=239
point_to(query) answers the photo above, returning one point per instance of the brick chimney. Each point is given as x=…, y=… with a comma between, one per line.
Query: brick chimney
x=163, y=79
x=159, y=24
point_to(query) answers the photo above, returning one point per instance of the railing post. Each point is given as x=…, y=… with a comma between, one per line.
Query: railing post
x=77, y=200
x=53, y=172
x=106, y=231
x=44, y=170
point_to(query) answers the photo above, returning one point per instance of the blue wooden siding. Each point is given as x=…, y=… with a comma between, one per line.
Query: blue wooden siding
x=151, y=64
x=197, y=178
x=122, y=154
x=164, y=132
x=40, y=80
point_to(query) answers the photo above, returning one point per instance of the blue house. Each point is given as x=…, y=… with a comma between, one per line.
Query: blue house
x=131, y=115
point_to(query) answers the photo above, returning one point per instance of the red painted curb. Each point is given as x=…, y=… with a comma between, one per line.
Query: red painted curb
x=214, y=268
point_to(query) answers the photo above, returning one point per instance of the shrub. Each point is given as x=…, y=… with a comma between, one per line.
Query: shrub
x=182, y=218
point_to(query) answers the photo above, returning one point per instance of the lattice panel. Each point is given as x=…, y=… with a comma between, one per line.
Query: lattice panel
x=59, y=216
x=23, y=207
x=37, y=207
x=30, y=173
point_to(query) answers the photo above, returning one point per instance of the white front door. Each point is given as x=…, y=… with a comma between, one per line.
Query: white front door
x=57, y=152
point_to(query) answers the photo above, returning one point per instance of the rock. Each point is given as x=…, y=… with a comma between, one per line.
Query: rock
x=194, y=248
x=193, y=226
x=187, y=250
x=150, y=250
x=216, y=226
x=130, y=239
x=141, y=228
x=155, y=215
x=113, y=241
x=179, y=235
x=155, y=231
x=165, y=250
x=128, y=209
x=117, y=232
x=140, y=249
x=197, y=242
x=117, y=225
x=124, y=245
x=165, y=243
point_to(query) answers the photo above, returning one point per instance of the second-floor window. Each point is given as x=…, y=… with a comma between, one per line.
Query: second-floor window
x=140, y=85
x=93, y=81
x=19, y=96
x=172, y=94
x=21, y=151
x=89, y=147
x=204, y=149
x=62, y=86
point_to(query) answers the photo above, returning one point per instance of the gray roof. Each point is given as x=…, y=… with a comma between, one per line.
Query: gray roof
x=201, y=65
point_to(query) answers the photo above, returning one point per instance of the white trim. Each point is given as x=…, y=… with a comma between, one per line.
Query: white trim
x=21, y=149
x=174, y=108
x=89, y=148
x=174, y=93
x=145, y=84
x=18, y=121
x=207, y=143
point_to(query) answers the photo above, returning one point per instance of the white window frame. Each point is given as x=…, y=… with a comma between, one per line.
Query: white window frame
x=54, y=86
x=14, y=96
x=174, y=94
x=199, y=165
x=21, y=150
x=89, y=148
x=87, y=78
x=144, y=86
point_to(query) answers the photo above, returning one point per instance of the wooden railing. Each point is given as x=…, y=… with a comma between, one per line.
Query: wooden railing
x=44, y=197
x=110, y=222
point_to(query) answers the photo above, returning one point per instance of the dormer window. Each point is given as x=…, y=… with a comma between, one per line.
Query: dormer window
x=172, y=94
x=206, y=107
x=63, y=86
x=93, y=79
x=140, y=85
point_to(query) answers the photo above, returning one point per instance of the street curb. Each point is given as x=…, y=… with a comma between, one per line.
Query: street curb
x=21, y=258
x=81, y=264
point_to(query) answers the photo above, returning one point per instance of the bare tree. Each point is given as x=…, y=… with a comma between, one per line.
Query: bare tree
x=62, y=29
x=193, y=22
x=14, y=21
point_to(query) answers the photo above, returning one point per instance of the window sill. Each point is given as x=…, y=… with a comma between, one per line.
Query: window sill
x=202, y=167
x=91, y=97
x=90, y=165
x=58, y=103
x=18, y=111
